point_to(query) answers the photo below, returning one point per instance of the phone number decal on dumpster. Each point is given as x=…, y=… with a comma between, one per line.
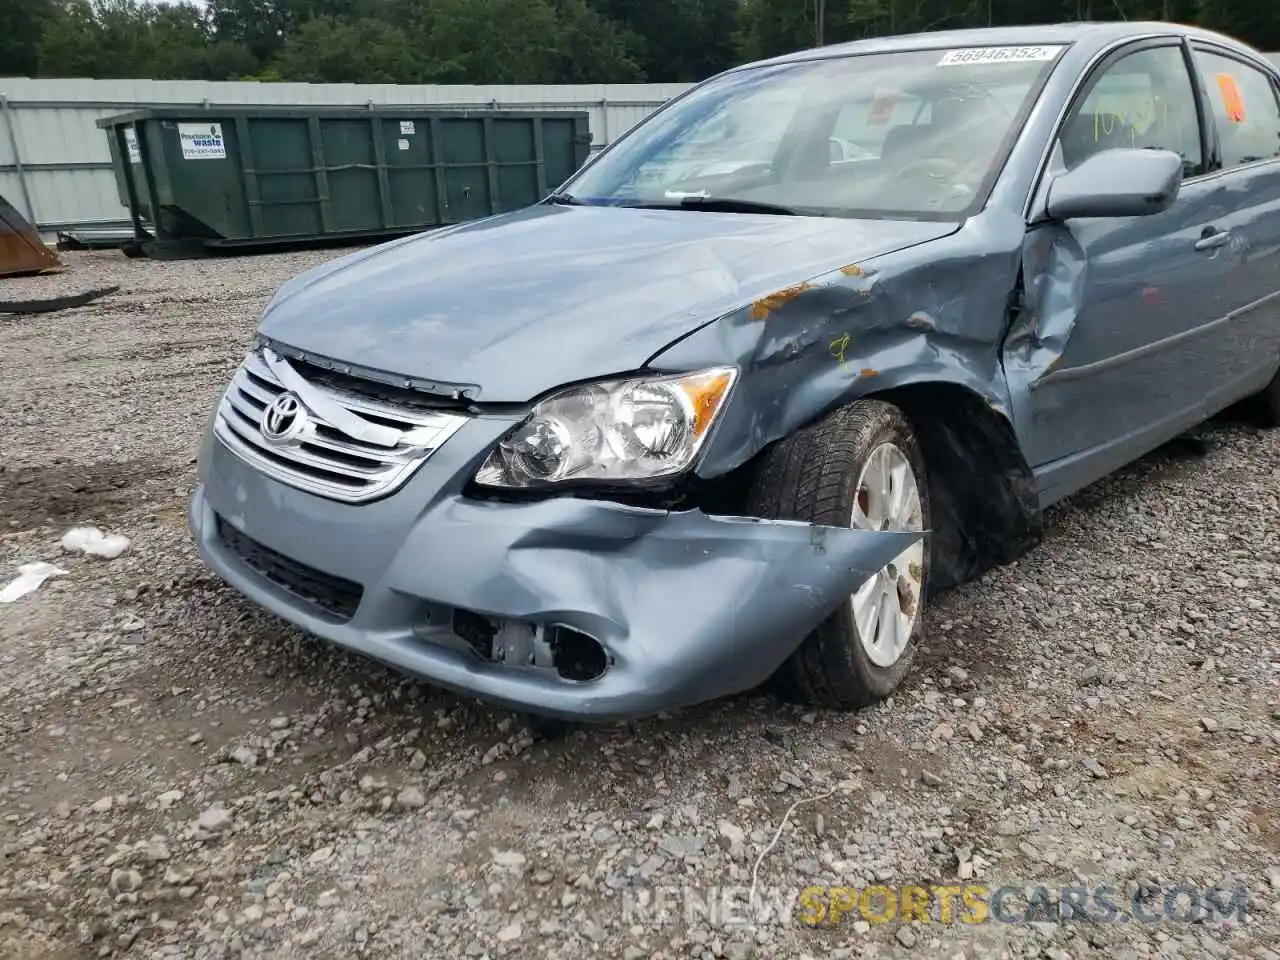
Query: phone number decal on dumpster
x=202, y=141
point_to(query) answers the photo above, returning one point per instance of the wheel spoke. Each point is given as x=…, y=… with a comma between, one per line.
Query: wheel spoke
x=875, y=481
x=887, y=640
x=867, y=591
x=902, y=492
x=899, y=627
x=886, y=606
x=868, y=614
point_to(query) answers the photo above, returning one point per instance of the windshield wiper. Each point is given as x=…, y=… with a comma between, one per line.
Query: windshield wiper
x=564, y=200
x=718, y=205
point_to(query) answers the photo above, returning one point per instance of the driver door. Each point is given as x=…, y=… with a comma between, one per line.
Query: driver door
x=1116, y=364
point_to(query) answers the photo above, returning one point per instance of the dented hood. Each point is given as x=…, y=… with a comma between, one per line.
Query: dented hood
x=518, y=304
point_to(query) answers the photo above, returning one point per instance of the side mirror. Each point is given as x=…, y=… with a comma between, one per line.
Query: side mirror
x=1117, y=183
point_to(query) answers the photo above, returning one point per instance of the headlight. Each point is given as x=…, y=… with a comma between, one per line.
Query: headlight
x=635, y=429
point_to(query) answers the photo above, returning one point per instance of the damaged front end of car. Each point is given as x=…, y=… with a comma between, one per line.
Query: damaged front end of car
x=562, y=560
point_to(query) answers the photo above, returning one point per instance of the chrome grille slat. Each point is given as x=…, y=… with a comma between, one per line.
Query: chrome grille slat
x=246, y=432
x=251, y=389
x=240, y=400
x=401, y=417
x=321, y=458
x=350, y=448
x=303, y=457
x=400, y=455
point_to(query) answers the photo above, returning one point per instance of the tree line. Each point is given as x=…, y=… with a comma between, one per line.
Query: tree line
x=511, y=41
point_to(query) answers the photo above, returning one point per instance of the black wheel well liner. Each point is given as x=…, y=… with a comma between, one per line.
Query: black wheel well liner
x=983, y=495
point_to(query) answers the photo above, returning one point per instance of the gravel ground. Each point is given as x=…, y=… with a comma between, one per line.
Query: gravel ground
x=182, y=775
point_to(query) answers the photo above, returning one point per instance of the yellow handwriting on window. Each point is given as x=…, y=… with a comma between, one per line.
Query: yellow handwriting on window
x=1133, y=111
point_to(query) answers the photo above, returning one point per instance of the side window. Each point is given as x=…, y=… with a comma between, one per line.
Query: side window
x=1144, y=99
x=1245, y=109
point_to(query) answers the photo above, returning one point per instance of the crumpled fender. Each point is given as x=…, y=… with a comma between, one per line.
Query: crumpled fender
x=937, y=312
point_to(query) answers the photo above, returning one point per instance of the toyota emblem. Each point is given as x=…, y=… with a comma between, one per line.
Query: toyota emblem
x=284, y=419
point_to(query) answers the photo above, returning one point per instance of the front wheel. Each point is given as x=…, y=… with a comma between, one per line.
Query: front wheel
x=859, y=467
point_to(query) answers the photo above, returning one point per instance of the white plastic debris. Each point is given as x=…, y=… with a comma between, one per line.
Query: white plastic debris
x=92, y=541
x=30, y=576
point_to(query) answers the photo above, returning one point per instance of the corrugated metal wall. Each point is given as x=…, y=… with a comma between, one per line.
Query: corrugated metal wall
x=55, y=167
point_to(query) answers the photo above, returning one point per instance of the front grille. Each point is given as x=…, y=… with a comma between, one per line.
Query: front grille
x=405, y=398
x=320, y=457
x=333, y=595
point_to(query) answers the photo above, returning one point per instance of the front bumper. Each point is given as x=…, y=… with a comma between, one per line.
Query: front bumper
x=687, y=607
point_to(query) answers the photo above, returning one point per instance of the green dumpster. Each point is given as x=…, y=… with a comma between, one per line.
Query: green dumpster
x=206, y=178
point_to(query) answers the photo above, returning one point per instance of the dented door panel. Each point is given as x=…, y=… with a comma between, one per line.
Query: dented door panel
x=1116, y=339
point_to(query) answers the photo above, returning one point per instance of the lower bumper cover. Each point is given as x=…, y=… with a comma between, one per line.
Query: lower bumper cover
x=688, y=607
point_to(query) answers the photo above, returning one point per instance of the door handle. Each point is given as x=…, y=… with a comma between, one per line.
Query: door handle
x=1212, y=241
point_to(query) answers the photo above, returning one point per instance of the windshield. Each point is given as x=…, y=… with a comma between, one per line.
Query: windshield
x=915, y=134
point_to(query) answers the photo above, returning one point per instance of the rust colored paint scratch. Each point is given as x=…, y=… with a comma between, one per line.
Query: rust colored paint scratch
x=868, y=372
x=853, y=270
x=761, y=308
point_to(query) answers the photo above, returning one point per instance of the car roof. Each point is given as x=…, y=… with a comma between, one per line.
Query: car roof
x=1090, y=33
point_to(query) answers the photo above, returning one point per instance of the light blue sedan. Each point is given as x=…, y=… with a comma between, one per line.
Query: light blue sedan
x=679, y=430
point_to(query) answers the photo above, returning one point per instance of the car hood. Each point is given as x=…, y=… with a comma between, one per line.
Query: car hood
x=515, y=305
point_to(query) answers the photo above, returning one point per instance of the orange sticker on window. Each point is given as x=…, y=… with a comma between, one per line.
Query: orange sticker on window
x=1231, y=98
x=882, y=107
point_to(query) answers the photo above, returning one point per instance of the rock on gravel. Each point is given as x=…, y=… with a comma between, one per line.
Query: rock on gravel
x=214, y=819
x=411, y=798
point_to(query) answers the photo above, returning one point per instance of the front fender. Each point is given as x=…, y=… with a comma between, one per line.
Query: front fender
x=934, y=313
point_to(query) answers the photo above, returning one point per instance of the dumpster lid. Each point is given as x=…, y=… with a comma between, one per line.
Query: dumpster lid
x=201, y=111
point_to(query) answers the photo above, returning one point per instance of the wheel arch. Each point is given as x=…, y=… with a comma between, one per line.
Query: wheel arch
x=983, y=494
x=985, y=509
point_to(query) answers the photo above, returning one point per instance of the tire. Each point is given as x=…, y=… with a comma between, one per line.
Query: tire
x=814, y=476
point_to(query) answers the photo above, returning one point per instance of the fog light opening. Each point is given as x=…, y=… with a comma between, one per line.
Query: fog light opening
x=476, y=630
x=520, y=645
x=578, y=657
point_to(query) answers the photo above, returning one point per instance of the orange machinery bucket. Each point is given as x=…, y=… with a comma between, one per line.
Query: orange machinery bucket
x=21, y=249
